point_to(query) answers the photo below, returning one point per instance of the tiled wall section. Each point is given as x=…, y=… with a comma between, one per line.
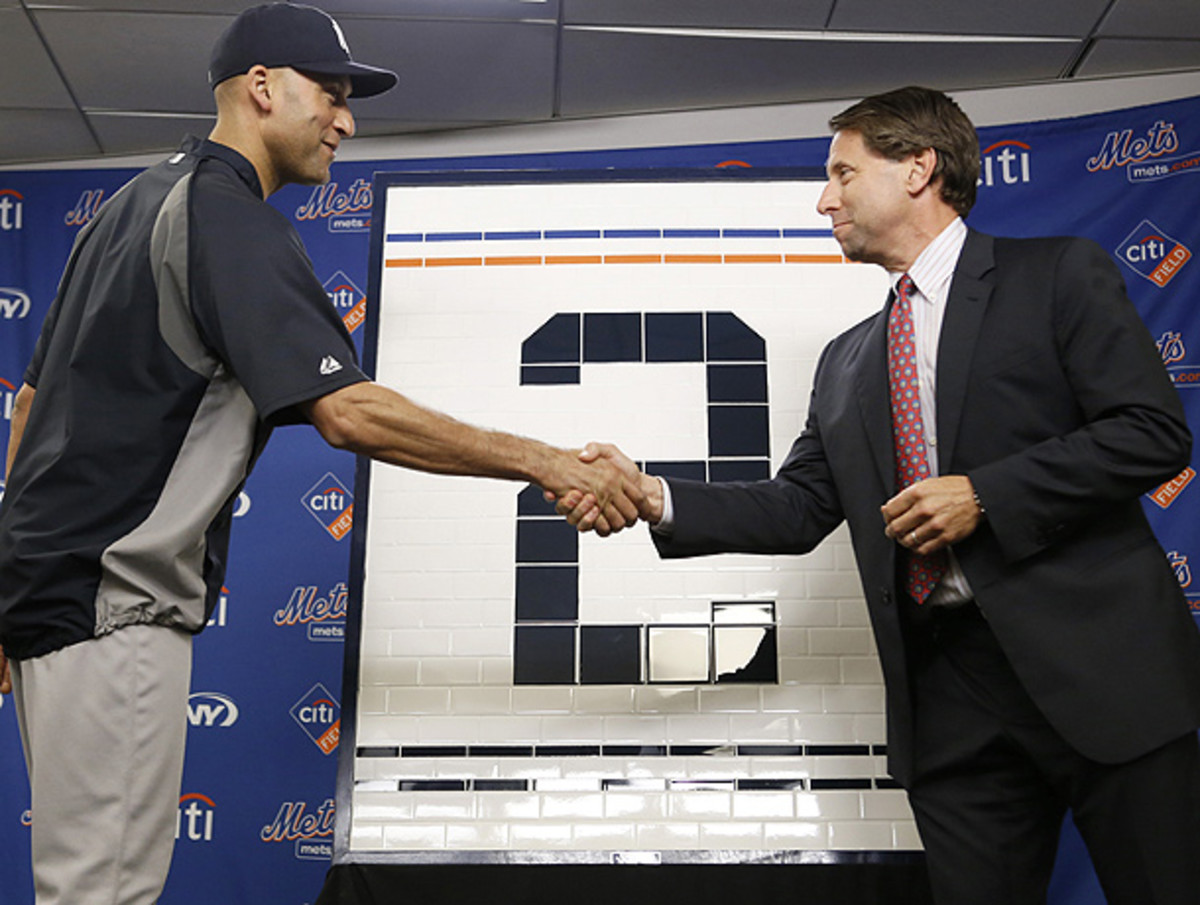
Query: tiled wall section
x=455, y=754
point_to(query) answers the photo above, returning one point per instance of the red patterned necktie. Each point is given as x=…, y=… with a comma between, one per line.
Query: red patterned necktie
x=922, y=573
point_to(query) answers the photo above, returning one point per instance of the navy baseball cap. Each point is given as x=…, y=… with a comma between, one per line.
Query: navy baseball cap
x=290, y=34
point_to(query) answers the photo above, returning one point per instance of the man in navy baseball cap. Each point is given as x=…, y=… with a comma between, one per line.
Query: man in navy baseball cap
x=290, y=34
x=113, y=550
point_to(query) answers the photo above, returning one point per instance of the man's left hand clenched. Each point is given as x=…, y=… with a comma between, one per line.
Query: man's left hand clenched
x=932, y=514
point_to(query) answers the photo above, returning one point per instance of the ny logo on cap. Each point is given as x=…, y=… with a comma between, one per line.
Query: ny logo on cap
x=337, y=30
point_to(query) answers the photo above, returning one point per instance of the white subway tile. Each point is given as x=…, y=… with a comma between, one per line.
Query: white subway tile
x=863, y=835
x=414, y=836
x=731, y=835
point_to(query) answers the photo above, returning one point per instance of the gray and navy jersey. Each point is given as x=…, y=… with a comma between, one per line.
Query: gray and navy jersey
x=188, y=323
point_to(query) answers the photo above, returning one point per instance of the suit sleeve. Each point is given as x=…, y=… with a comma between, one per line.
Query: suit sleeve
x=791, y=513
x=1131, y=433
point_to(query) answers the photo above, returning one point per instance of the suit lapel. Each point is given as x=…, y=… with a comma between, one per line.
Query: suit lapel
x=874, y=397
x=970, y=290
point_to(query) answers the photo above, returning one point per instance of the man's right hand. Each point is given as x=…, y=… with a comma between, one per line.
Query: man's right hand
x=582, y=512
x=5, y=674
x=609, y=496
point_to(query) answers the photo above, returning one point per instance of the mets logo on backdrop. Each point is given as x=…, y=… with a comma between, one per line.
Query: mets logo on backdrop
x=1150, y=252
x=1183, y=572
x=331, y=504
x=348, y=299
x=320, y=716
x=346, y=211
x=1172, y=349
x=1126, y=149
x=310, y=833
x=85, y=209
x=324, y=617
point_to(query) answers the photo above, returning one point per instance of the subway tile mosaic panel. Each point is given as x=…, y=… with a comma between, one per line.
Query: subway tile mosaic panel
x=522, y=688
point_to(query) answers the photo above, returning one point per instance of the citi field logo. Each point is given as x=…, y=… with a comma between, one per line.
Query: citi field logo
x=220, y=615
x=1005, y=163
x=1169, y=492
x=27, y=818
x=323, y=617
x=331, y=504
x=320, y=716
x=1152, y=254
x=8, y=396
x=1120, y=149
x=310, y=833
x=196, y=817
x=348, y=299
x=14, y=304
x=85, y=208
x=12, y=210
x=344, y=212
x=211, y=710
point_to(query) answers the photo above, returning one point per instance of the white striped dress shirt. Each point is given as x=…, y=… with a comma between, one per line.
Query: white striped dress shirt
x=931, y=274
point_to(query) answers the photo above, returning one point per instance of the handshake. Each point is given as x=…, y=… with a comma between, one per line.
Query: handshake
x=607, y=492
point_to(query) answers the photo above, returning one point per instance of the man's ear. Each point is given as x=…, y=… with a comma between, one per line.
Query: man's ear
x=920, y=170
x=260, y=86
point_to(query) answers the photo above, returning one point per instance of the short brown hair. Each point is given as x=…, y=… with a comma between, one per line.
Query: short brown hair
x=909, y=120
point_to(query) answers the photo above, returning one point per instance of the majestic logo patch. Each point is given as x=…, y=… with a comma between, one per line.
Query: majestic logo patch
x=329, y=365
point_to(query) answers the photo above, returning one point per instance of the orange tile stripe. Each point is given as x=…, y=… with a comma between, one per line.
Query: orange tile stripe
x=753, y=259
x=512, y=260
x=633, y=259
x=814, y=259
x=454, y=262
x=693, y=259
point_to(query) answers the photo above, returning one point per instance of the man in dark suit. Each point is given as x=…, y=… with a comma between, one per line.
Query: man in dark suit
x=1037, y=650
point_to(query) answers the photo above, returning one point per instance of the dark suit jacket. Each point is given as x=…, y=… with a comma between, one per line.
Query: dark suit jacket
x=1053, y=399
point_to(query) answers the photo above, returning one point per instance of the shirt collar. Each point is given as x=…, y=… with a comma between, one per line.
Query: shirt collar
x=934, y=266
x=202, y=147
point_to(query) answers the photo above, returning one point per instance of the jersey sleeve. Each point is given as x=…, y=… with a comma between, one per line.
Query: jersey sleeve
x=259, y=305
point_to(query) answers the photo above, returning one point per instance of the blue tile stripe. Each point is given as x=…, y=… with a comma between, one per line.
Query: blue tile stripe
x=624, y=784
x=612, y=233
x=623, y=749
